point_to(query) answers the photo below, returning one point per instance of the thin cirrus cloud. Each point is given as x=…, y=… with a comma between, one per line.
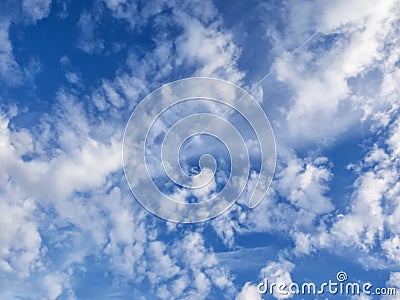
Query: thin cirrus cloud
x=67, y=216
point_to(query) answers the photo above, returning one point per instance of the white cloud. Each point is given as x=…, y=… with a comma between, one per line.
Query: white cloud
x=304, y=184
x=394, y=280
x=295, y=204
x=36, y=9
x=373, y=215
x=53, y=285
x=20, y=240
x=50, y=179
x=123, y=9
x=88, y=41
x=279, y=273
x=72, y=77
x=365, y=223
x=10, y=71
x=249, y=292
x=203, y=45
x=113, y=97
x=392, y=248
x=323, y=104
x=212, y=50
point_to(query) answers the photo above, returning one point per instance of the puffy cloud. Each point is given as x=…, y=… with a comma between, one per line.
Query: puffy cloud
x=36, y=9
x=53, y=285
x=365, y=222
x=20, y=240
x=392, y=248
x=305, y=183
x=202, y=46
x=322, y=75
x=394, y=280
x=212, y=50
x=297, y=204
x=185, y=270
x=35, y=178
x=373, y=217
x=249, y=292
x=279, y=273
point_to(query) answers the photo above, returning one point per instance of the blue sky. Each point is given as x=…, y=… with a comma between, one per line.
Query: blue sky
x=71, y=73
